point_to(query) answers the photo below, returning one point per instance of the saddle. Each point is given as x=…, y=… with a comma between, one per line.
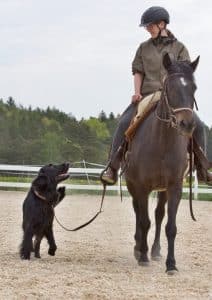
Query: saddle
x=143, y=110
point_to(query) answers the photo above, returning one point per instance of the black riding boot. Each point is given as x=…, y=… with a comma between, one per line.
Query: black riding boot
x=200, y=160
x=110, y=174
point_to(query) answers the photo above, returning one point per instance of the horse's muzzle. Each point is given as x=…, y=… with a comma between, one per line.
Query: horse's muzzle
x=187, y=128
x=185, y=122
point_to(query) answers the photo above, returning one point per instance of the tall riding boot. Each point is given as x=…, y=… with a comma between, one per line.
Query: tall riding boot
x=202, y=164
x=199, y=148
x=110, y=173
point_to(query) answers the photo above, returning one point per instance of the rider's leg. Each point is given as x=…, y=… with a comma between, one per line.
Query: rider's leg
x=110, y=174
x=200, y=159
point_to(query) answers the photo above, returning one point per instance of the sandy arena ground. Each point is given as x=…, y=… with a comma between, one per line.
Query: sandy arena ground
x=97, y=262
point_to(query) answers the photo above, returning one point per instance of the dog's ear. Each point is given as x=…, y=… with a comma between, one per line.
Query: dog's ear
x=41, y=182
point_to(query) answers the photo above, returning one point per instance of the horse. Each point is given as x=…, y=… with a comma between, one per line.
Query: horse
x=158, y=159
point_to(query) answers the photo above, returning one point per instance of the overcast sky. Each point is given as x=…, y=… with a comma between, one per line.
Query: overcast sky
x=76, y=55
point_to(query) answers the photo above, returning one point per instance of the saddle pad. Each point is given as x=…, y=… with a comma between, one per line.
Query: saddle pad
x=147, y=101
x=144, y=107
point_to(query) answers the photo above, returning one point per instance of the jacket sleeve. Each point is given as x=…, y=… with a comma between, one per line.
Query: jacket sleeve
x=183, y=54
x=137, y=64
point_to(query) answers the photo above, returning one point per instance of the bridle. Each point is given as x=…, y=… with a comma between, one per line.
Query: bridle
x=171, y=119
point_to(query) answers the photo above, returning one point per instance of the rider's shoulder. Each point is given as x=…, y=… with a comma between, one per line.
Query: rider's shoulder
x=179, y=45
x=145, y=43
x=178, y=42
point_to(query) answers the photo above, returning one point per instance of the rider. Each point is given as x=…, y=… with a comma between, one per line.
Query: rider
x=149, y=72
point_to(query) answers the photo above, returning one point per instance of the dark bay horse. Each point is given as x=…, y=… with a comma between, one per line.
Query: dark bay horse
x=158, y=159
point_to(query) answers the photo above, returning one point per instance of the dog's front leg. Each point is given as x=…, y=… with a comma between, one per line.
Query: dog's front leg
x=61, y=192
x=37, y=242
x=50, y=238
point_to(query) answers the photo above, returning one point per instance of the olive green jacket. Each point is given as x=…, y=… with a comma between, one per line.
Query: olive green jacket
x=149, y=61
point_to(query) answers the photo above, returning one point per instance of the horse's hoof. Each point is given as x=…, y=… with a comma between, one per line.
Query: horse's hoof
x=172, y=272
x=156, y=257
x=144, y=260
x=143, y=263
x=25, y=257
x=51, y=252
x=137, y=254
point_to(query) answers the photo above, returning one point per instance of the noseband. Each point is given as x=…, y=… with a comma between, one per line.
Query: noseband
x=171, y=119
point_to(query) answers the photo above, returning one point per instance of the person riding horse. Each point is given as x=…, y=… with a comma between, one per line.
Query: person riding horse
x=149, y=74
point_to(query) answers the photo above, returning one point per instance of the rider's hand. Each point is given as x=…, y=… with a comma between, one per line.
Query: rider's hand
x=136, y=98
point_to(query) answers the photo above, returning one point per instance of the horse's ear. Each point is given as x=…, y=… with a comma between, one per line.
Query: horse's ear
x=194, y=64
x=167, y=61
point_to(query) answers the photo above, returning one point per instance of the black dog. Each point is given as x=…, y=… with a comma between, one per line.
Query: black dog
x=38, y=209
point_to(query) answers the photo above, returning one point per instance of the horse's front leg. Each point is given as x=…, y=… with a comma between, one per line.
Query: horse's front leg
x=174, y=194
x=137, y=236
x=159, y=215
x=142, y=227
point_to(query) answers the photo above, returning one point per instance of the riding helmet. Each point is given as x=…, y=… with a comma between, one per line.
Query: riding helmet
x=154, y=15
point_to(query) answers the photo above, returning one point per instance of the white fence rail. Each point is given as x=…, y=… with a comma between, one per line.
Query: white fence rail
x=85, y=171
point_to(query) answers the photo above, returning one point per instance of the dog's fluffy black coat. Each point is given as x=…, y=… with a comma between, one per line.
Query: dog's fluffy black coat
x=38, y=209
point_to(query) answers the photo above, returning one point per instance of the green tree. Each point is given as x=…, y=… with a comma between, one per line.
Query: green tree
x=98, y=127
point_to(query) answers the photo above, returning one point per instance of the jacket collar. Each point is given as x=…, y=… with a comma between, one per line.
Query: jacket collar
x=164, y=40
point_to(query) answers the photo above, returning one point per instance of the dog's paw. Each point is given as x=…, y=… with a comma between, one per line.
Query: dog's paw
x=62, y=191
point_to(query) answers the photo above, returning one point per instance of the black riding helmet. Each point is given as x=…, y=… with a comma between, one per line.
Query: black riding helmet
x=154, y=15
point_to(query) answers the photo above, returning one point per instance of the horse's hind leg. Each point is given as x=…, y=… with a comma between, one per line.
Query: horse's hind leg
x=142, y=228
x=159, y=215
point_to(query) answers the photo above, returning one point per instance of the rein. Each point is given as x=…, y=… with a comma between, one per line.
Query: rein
x=190, y=177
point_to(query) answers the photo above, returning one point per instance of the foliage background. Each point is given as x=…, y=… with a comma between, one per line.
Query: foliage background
x=43, y=136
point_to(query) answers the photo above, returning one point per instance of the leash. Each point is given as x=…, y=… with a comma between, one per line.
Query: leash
x=90, y=221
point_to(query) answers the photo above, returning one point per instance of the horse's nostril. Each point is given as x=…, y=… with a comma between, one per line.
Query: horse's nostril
x=183, y=123
x=187, y=125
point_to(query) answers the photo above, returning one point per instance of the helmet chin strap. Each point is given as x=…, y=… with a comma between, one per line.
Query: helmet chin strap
x=160, y=30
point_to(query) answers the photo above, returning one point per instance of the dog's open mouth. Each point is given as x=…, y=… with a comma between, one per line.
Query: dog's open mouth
x=63, y=176
x=64, y=173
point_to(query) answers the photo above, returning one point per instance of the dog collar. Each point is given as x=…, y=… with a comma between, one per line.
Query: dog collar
x=39, y=195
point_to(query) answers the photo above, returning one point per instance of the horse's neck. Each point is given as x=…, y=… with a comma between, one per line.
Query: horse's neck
x=167, y=136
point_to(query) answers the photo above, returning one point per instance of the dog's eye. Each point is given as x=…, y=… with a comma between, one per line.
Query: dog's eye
x=41, y=170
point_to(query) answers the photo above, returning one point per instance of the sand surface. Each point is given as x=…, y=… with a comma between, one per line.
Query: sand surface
x=97, y=262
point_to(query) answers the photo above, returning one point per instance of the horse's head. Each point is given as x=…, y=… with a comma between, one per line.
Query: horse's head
x=178, y=93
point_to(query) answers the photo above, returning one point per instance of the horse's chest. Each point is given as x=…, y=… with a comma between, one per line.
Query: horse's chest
x=158, y=171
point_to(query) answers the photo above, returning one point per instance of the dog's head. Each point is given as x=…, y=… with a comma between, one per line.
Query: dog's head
x=49, y=176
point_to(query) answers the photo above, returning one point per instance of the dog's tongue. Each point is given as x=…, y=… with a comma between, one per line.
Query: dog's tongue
x=64, y=175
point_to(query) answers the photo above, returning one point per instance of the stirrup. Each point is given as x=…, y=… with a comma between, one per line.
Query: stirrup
x=106, y=180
